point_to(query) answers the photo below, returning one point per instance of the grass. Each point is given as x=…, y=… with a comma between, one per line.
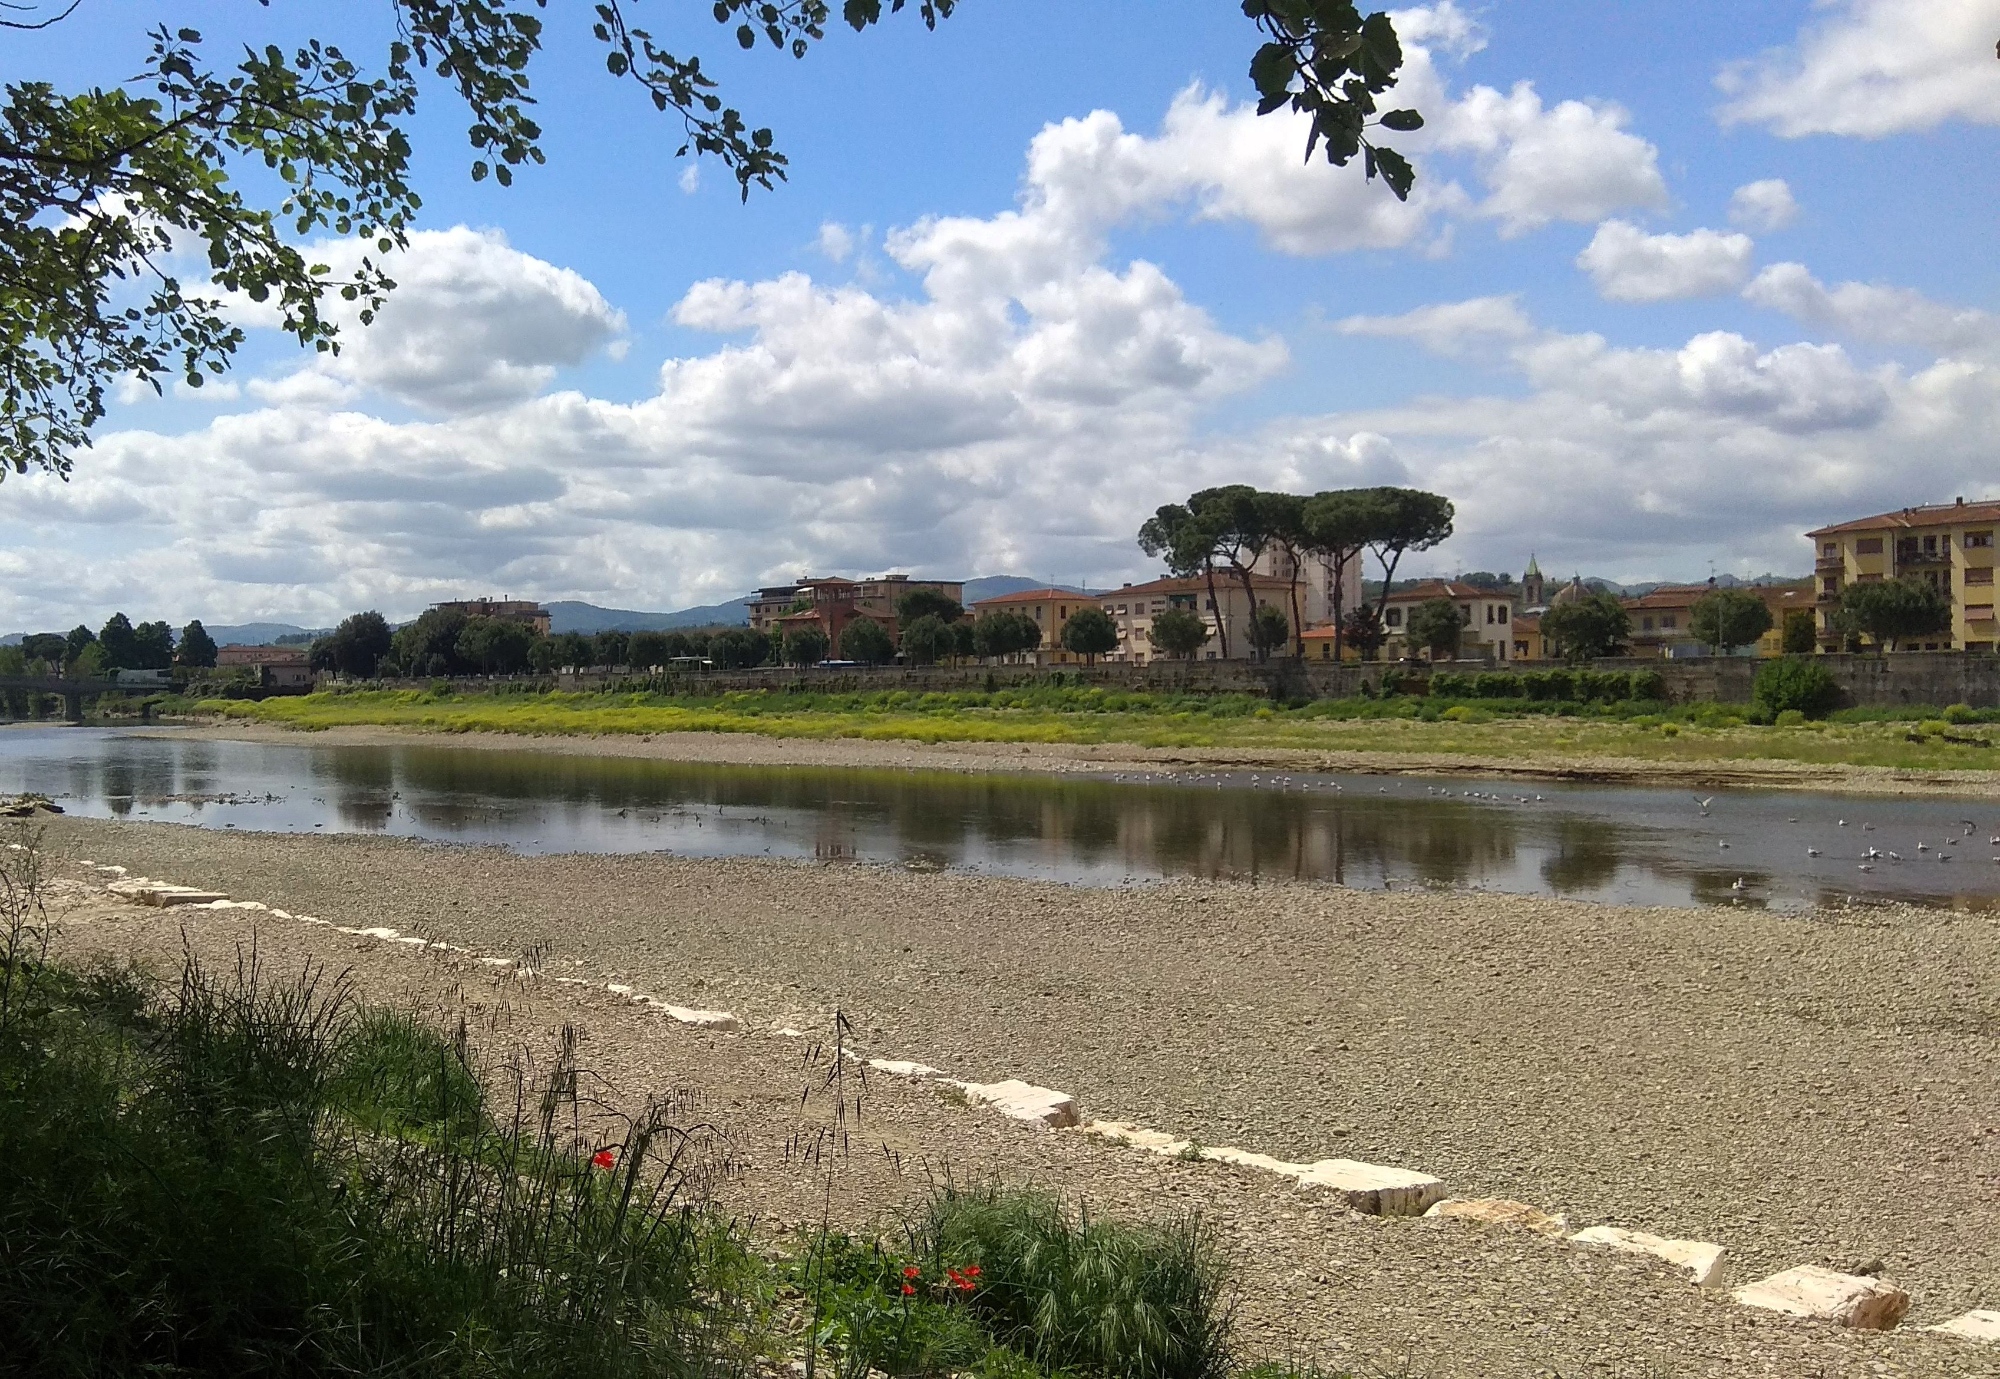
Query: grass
x=1501, y=730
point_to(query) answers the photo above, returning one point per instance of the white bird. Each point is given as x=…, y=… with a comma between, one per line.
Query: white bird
x=1923, y=847
x=1737, y=884
x=1722, y=844
x=1867, y=828
x=1812, y=852
x=1791, y=821
x=1895, y=857
x=1704, y=803
x=1843, y=823
x=1874, y=852
x=1864, y=867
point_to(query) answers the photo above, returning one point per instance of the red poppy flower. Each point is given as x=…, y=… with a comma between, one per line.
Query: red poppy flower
x=911, y=1271
x=907, y=1290
x=603, y=1158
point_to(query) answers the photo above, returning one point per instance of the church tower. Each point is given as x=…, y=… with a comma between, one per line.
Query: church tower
x=1531, y=585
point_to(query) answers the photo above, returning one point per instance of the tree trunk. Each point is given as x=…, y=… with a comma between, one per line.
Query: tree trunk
x=1215, y=606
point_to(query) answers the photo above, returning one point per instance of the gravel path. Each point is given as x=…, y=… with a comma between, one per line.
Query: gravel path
x=750, y=749
x=1802, y=1089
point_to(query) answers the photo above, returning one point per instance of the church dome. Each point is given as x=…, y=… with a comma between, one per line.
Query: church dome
x=1570, y=592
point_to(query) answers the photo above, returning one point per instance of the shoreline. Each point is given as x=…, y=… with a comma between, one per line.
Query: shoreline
x=751, y=749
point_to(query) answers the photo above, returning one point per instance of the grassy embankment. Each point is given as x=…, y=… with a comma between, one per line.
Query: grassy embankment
x=230, y=1174
x=1402, y=726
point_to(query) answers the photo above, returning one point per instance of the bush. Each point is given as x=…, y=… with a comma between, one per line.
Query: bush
x=1465, y=713
x=1790, y=718
x=1494, y=684
x=1793, y=682
x=1649, y=685
x=1073, y=1293
x=1447, y=684
x=1961, y=713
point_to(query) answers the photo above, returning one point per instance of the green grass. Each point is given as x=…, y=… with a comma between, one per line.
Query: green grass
x=1522, y=731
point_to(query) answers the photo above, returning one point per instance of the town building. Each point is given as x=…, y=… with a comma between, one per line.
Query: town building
x=1048, y=609
x=1662, y=618
x=1132, y=608
x=274, y=667
x=524, y=611
x=1487, y=615
x=1949, y=545
x=1315, y=583
x=831, y=603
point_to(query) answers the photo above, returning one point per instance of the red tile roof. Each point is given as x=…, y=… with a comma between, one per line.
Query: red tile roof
x=1933, y=515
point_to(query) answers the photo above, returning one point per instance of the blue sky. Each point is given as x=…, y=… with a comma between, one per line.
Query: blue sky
x=1040, y=271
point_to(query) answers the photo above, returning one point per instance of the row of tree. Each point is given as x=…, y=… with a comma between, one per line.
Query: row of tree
x=118, y=645
x=1228, y=531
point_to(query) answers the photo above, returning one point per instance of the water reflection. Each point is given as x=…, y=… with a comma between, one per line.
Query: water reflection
x=1580, y=841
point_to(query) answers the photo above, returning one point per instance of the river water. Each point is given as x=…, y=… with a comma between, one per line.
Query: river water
x=1590, y=842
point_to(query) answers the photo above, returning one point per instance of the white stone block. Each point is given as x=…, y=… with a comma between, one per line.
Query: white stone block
x=1853, y=1300
x=1152, y=1141
x=899, y=1067
x=719, y=1020
x=142, y=891
x=1018, y=1100
x=1373, y=1189
x=1702, y=1260
x=1973, y=1326
x=1500, y=1211
x=1244, y=1158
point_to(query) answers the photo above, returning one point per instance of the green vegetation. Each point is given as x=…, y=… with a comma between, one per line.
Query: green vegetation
x=1795, y=685
x=1586, y=628
x=1574, y=715
x=1890, y=612
x=1728, y=618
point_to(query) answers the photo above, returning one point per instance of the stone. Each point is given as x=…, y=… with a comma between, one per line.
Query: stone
x=1373, y=1189
x=1702, y=1260
x=142, y=891
x=719, y=1020
x=1152, y=1141
x=1022, y=1101
x=1852, y=1300
x=897, y=1067
x=1500, y=1211
x=1244, y=1158
x=1973, y=1326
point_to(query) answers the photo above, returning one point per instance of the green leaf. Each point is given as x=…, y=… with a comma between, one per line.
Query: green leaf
x=1402, y=121
x=1272, y=70
x=1396, y=171
x=746, y=36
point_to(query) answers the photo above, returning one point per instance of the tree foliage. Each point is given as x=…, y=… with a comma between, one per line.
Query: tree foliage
x=1269, y=630
x=1801, y=632
x=1582, y=629
x=494, y=646
x=928, y=640
x=1794, y=682
x=1004, y=632
x=1090, y=633
x=197, y=649
x=1890, y=612
x=868, y=642
x=927, y=603
x=804, y=646
x=739, y=648
x=1180, y=632
x=98, y=187
x=358, y=646
x=1363, y=630
x=1728, y=618
x=429, y=646
x=1436, y=625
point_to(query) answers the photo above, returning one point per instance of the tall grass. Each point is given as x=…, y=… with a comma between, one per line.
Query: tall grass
x=239, y=1174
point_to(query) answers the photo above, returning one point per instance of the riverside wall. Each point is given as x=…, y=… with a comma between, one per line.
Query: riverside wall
x=1911, y=678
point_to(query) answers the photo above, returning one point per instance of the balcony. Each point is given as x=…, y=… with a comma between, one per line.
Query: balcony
x=1830, y=564
x=1922, y=559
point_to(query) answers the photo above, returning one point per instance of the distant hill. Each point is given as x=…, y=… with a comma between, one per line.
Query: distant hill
x=257, y=633
x=569, y=615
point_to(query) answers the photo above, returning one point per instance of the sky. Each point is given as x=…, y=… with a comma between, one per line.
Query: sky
x=1679, y=282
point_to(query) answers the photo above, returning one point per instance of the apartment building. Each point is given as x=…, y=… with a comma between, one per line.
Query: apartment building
x=1049, y=609
x=1487, y=614
x=524, y=611
x=831, y=603
x=1134, y=606
x=1950, y=545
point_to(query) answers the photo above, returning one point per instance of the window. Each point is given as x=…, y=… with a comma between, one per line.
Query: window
x=1393, y=618
x=1489, y=614
x=1868, y=545
x=1670, y=622
x=1503, y=614
x=1830, y=548
x=1038, y=612
x=1930, y=545
x=1983, y=575
x=1645, y=624
x=1978, y=540
x=1465, y=612
x=1832, y=585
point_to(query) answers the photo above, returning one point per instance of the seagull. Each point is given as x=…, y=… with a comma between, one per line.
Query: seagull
x=1895, y=857
x=1704, y=803
x=1791, y=821
x=1874, y=853
x=1737, y=884
x=1923, y=847
x=1812, y=852
x=1721, y=844
x=1865, y=867
x=1843, y=823
x=1867, y=828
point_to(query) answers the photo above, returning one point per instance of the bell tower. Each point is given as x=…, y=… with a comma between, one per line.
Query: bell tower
x=1531, y=585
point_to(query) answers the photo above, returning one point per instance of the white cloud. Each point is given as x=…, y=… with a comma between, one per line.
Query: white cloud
x=1573, y=161
x=1451, y=328
x=1641, y=462
x=835, y=241
x=473, y=324
x=690, y=179
x=1763, y=206
x=1875, y=313
x=1875, y=67
x=1629, y=265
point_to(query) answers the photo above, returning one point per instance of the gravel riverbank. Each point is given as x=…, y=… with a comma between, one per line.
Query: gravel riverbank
x=1802, y=1089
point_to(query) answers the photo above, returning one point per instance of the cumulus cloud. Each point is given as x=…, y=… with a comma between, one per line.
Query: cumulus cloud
x=1571, y=161
x=473, y=324
x=1634, y=461
x=1629, y=265
x=1451, y=328
x=1875, y=313
x=1763, y=206
x=1872, y=68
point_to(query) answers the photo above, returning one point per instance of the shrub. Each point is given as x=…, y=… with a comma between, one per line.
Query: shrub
x=1447, y=684
x=1494, y=684
x=1648, y=685
x=1793, y=682
x=1934, y=727
x=1465, y=713
x=1790, y=718
x=1085, y=1295
x=1961, y=713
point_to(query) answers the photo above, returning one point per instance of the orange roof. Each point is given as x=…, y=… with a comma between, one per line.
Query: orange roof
x=1033, y=596
x=1447, y=589
x=1933, y=515
x=1173, y=584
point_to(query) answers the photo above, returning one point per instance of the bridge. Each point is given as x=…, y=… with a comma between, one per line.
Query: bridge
x=72, y=689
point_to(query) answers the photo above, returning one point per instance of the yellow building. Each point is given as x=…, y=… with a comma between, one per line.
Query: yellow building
x=1950, y=545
